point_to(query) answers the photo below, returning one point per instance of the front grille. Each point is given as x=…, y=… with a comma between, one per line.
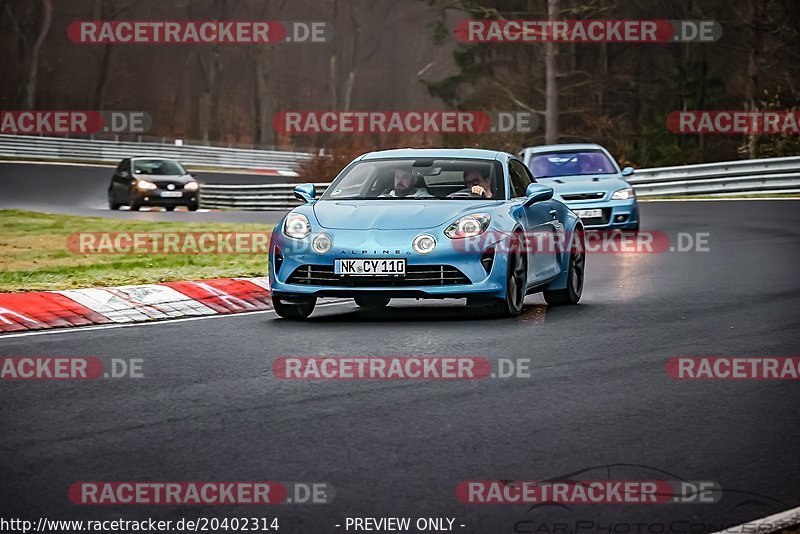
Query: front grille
x=416, y=275
x=584, y=196
x=598, y=221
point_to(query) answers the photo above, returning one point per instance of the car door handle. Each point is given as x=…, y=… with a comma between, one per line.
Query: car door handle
x=553, y=213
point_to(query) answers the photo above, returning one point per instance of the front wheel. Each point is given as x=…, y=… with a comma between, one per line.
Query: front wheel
x=372, y=302
x=298, y=310
x=575, y=274
x=169, y=208
x=516, y=280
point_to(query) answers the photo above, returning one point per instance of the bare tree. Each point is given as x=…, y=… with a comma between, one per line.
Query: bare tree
x=551, y=123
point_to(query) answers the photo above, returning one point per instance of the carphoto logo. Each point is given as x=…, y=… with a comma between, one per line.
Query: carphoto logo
x=404, y=122
x=734, y=368
x=587, y=492
x=68, y=368
x=399, y=368
x=736, y=122
x=588, y=31
x=74, y=122
x=168, y=242
x=248, y=32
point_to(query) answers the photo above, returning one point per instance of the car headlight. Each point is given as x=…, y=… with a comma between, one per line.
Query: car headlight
x=424, y=243
x=296, y=226
x=322, y=243
x=623, y=194
x=191, y=186
x=468, y=226
x=144, y=185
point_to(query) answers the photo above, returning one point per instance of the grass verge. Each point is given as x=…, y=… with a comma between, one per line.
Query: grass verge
x=34, y=254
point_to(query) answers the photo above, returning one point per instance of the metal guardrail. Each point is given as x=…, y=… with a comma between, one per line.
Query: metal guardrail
x=91, y=150
x=776, y=175
x=772, y=175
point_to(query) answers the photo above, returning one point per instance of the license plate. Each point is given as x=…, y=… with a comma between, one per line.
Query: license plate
x=370, y=267
x=589, y=214
x=171, y=194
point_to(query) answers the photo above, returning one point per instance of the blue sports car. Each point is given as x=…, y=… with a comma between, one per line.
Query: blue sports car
x=589, y=181
x=427, y=223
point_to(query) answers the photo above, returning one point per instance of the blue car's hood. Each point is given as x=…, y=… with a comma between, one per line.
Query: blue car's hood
x=585, y=183
x=393, y=214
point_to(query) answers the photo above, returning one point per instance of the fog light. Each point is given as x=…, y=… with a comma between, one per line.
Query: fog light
x=424, y=243
x=620, y=218
x=322, y=243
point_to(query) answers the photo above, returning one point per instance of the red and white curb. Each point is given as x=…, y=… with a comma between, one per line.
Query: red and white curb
x=789, y=518
x=129, y=304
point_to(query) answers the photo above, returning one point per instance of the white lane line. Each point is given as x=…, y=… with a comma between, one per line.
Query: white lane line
x=789, y=518
x=714, y=199
x=149, y=323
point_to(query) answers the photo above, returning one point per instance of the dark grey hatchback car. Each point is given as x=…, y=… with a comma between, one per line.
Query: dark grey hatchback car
x=148, y=181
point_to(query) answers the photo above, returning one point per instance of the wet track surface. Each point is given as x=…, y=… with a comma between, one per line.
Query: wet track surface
x=209, y=407
x=81, y=190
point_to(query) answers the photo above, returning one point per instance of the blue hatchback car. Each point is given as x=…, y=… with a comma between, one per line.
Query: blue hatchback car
x=426, y=223
x=587, y=178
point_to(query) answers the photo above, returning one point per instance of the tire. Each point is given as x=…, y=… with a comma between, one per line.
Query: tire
x=575, y=276
x=193, y=207
x=114, y=206
x=169, y=208
x=295, y=311
x=372, y=302
x=135, y=206
x=516, y=282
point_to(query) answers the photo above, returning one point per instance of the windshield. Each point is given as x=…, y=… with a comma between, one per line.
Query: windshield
x=420, y=178
x=158, y=167
x=556, y=164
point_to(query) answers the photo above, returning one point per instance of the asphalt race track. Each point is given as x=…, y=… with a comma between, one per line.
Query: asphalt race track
x=81, y=190
x=598, y=401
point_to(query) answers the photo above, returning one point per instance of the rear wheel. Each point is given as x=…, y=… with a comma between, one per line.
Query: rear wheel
x=294, y=309
x=111, y=204
x=575, y=275
x=169, y=208
x=192, y=207
x=372, y=302
x=516, y=281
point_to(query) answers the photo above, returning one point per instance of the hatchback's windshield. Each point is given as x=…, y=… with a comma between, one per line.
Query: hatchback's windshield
x=420, y=178
x=556, y=164
x=160, y=167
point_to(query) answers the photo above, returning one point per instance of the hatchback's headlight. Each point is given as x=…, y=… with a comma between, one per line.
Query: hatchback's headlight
x=191, y=186
x=623, y=194
x=468, y=226
x=296, y=226
x=144, y=185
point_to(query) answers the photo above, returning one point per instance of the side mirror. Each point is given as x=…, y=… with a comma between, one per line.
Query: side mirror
x=538, y=193
x=304, y=192
x=124, y=174
x=193, y=174
x=627, y=171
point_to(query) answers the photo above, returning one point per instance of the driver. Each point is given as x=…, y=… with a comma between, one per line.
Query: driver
x=405, y=186
x=477, y=183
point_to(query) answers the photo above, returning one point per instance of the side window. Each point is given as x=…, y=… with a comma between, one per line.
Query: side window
x=520, y=179
x=125, y=165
